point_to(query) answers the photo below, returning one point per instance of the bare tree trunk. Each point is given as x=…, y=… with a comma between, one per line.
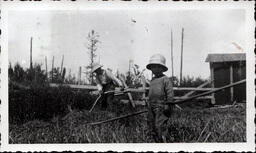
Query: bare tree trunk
x=46, y=71
x=31, y=62
x=92, y=47
x=52, y=67
x=61, y=67
x=181, y=56
x=93, y=40
x=79, y=75
x=172, y=54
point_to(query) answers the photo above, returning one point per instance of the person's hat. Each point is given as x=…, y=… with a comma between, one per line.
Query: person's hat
x=157, y=59
x=96, y=66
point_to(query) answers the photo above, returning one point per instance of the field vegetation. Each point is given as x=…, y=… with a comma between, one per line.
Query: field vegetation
x=41, y=114
x=191, y=125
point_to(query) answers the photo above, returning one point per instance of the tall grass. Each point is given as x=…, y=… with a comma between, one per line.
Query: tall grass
x=190, y=125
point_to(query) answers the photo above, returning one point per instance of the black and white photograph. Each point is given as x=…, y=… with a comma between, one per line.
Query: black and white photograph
x=128, y=76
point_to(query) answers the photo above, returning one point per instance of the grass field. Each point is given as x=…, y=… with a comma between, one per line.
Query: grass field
x=189, y=125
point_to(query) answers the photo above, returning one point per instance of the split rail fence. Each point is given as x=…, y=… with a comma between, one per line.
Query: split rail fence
x=144, y=89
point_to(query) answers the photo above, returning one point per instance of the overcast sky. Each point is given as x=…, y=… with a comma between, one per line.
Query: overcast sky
x=124, y=35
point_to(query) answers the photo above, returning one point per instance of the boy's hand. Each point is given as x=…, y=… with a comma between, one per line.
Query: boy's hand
x=100, y=91
x=167, y=111
x=122, y=89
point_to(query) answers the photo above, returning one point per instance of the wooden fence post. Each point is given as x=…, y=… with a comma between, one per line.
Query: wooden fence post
x=61, y=66
x=79, y=75
x=46, y=71
x=181, y=56
x=52, y=66
x=172, y=54
x=31, y=62
x=231, y=81
x=212, y=84
x=129, y=94
x=143, y=80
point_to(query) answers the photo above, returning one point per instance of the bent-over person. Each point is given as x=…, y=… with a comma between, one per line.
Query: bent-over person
x=105, y=81
x=160, y=91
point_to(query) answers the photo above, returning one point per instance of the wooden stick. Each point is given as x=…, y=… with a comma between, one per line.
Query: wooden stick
x=144, y=111
x=120, y=117
x=203, y=130
x=175, y=98
x=231, y=81
x=129, y=94
x=212, y=83
x=143, y=80
x=207, y=136
x=91, y=87
x=192, y=92
x=207, y=93
x=11, y=139
x=175, y=88
x=94, y=104
x=74, y=86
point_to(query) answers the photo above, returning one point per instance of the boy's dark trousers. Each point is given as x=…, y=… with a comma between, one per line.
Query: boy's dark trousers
x=157, y=123
x=107, y=98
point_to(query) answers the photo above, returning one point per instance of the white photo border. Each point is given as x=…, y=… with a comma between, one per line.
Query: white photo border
x=81, y=5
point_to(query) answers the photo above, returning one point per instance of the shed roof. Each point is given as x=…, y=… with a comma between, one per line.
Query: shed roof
x=225, y=57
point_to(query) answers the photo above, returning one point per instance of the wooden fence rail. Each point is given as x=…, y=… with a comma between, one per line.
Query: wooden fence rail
x=75, y=86
x=140, y=89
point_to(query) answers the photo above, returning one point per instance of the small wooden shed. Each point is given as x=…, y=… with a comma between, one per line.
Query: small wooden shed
x=226, y=69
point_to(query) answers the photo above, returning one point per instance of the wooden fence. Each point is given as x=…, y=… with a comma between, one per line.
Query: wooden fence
x=143, y=90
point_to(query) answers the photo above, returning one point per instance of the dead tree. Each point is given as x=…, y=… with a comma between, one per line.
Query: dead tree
x=93, y=39
x=31, y=62
x=181, y=56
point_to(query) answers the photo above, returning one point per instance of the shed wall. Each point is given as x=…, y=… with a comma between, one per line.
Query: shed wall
x=239, y=74
x=221, y=78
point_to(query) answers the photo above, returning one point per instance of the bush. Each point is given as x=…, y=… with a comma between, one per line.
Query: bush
x=34, y=75
x=30, y=96
x=192, y=81
x=44, y=102
x=189, y=82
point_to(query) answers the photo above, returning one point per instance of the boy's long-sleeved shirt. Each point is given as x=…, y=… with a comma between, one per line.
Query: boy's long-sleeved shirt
x=160, y=90
x=107, y=78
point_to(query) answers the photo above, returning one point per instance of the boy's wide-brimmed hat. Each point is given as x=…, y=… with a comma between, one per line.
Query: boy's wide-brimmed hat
x=96, y=66
x=157, y=59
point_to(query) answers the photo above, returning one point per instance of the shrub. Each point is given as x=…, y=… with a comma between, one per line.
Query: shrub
x=192, y=81
x=34, y=75
x=44, y=102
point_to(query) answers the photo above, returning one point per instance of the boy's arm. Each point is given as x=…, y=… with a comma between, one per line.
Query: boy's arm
x=170, y=94
x=169, y=90
x=115, y=79
x=99, y=86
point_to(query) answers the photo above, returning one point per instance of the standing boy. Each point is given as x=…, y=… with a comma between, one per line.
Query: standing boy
x=160, y=91
x=106, y=81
